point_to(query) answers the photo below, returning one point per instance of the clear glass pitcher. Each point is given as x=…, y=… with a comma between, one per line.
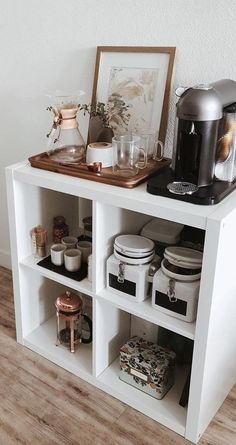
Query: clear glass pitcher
x=65, y=142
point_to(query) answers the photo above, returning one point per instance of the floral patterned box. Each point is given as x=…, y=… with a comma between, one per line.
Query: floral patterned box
x=147, y=366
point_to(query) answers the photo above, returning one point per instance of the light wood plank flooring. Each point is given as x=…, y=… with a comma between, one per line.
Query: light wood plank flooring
x=41, y=403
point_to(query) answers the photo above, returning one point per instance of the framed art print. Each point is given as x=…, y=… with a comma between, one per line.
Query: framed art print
x=135, y=84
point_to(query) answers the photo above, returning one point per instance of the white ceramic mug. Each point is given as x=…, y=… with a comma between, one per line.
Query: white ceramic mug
x=85, y=248
x=72, y=259
x=69, y=241
x=100, y=152
x=57, y=254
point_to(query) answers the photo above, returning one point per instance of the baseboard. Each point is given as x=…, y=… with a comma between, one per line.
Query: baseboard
x=5, y=259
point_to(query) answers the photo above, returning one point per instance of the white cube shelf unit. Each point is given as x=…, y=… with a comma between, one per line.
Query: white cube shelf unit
x=34, y=197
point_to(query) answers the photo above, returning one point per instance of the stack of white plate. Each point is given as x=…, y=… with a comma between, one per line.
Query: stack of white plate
x=134, y=249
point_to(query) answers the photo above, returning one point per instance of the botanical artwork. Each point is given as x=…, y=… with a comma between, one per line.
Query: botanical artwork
x=131, y=93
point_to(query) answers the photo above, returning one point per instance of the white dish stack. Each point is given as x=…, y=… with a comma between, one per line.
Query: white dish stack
x=127, y=268
x=176, y=284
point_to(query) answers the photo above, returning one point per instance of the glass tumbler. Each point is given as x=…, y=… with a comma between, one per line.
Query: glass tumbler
x=129, y=157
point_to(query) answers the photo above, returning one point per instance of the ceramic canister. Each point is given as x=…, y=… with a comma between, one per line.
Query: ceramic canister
x=176, y=284
x=127, y=268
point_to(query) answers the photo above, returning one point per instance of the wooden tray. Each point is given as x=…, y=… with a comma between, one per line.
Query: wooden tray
x=106, y=176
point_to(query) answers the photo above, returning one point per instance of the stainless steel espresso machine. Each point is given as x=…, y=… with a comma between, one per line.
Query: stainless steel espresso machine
x=204, y=137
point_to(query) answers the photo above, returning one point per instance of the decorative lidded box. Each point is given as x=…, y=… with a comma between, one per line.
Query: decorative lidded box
x=147, y=366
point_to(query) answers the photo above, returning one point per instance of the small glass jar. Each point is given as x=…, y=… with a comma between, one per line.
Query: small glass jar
x=60, y=229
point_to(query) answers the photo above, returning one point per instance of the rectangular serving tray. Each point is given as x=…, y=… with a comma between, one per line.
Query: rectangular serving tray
x=107, y=176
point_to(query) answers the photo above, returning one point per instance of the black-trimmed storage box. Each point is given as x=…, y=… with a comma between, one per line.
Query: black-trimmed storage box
x=147, y=366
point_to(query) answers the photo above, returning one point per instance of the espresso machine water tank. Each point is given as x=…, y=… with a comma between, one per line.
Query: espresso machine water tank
x=199, y=112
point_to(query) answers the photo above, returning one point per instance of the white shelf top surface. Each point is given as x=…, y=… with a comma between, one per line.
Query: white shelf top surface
x=136, y=199
x=145, y=310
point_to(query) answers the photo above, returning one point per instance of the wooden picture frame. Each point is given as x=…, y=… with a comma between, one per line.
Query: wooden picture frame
x=142, y=78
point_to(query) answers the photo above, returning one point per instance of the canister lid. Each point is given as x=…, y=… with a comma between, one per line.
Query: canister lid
x=180, y=273
x=133, y=245
x=145, y=259
x=184, y=257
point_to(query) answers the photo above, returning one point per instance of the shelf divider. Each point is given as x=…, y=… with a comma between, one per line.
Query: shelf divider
x=145, y=310
x=84, y=286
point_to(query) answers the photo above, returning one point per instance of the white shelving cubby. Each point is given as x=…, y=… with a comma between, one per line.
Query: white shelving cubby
x=34, y=197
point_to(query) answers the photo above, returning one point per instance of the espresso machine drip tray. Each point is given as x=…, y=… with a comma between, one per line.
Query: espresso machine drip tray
x=182, y=188
x=164, y=184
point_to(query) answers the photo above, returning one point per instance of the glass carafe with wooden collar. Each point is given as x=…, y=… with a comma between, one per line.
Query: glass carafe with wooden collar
x=65, y=142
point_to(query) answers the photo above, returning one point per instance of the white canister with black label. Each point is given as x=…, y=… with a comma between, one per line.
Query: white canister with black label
x=128, y=267
x=176, y=284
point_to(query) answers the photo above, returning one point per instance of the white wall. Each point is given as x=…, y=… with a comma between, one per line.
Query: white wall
x=50, y=44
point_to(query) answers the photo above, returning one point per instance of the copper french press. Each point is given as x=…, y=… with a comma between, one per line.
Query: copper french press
x=69, y=309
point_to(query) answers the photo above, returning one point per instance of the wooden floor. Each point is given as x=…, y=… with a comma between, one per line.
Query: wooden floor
x=43, y=404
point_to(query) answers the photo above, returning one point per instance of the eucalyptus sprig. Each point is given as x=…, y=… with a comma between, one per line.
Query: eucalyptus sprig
x=113, y=113
x=100, y=109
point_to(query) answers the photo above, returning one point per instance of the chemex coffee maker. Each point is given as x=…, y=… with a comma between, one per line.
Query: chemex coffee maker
x=203, y=169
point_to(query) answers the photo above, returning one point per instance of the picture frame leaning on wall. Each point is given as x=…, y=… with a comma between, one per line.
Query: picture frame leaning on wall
x=135, y=84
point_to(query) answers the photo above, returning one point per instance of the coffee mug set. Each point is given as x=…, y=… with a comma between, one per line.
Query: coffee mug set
x=127, y=153
x=71, y=253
